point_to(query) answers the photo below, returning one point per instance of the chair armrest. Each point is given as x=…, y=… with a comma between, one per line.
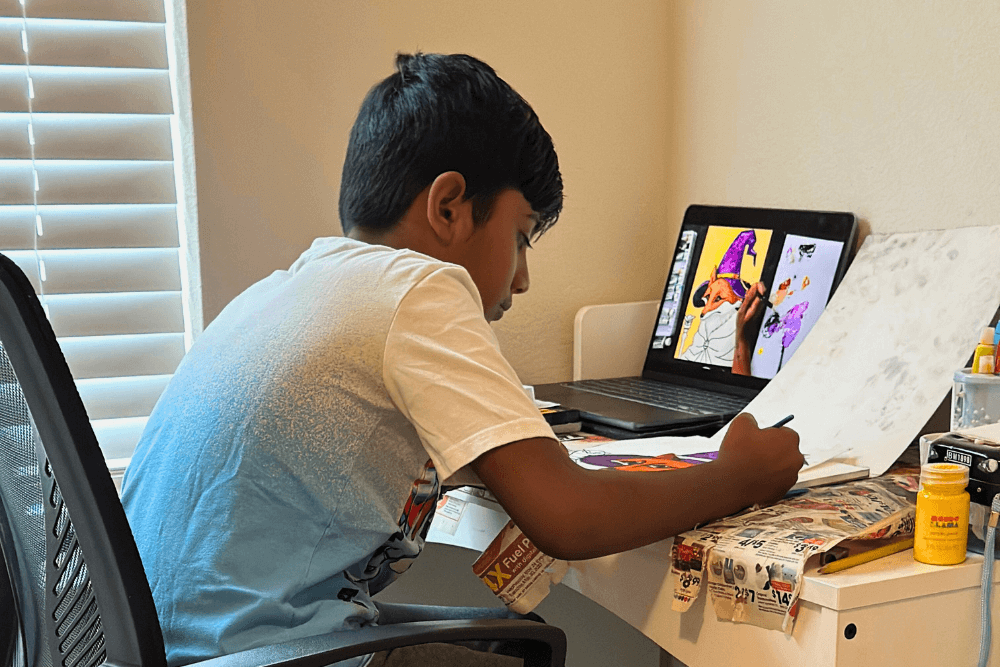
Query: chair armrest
x=547, y=643
x=390, y=613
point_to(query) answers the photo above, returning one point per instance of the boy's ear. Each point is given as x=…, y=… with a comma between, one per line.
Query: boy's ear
x=449, y=213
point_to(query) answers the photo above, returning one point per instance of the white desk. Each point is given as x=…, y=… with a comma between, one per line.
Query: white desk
x=897, y=611
x=893, y=611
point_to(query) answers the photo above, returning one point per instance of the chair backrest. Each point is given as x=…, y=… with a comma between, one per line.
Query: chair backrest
x=79, y=592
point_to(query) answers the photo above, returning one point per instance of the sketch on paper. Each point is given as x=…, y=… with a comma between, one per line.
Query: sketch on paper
x=638, y=462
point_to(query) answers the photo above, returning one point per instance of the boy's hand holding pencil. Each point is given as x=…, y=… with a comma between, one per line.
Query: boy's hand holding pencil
x=764, y=462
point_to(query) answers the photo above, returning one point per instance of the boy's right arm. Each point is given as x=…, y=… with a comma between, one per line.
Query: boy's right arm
x=572, y=513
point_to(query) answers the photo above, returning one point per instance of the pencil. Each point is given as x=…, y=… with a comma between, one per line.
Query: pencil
x=784, y=421
x=866, y=556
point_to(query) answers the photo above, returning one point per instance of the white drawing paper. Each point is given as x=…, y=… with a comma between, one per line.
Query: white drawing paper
x=881, y=357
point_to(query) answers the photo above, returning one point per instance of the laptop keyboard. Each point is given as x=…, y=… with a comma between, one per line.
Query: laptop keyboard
x=663, y=395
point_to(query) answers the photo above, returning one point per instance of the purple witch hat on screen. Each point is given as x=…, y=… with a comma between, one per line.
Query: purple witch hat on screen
x=729, y=267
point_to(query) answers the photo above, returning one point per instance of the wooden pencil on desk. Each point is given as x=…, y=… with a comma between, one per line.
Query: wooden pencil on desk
x=866, y=556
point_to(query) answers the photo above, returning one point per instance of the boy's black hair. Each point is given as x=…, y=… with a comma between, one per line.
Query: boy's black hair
x=442, y=113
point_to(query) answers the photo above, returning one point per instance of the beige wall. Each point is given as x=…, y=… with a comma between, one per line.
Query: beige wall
x=889, y=109
x=275, y=87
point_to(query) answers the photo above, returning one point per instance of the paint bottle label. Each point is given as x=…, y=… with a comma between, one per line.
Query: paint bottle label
x=986, y=364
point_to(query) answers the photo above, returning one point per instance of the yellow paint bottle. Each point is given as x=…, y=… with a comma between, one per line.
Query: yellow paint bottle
x=983, y=357
x=942, y=529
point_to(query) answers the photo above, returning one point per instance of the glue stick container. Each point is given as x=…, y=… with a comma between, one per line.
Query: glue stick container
x=975, y=399
x=942, y=526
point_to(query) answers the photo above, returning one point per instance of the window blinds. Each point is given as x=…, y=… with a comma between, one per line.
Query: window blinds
x=89, y=197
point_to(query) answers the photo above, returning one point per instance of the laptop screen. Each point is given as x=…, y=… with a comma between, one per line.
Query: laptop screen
x=703, y=329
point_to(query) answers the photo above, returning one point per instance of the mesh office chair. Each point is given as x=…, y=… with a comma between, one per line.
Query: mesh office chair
x=73, y=592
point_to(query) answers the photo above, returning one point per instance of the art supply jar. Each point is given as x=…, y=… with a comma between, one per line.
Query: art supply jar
x=975, y=399
x=942, y=527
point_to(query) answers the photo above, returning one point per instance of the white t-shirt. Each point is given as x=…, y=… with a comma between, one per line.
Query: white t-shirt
x=291, y=468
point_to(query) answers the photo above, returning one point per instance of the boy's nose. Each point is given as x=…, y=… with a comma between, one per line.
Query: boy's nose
x=521, y=279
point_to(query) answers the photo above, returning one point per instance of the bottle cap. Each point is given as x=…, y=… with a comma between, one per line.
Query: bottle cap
x=986, y=336
x=944, y=473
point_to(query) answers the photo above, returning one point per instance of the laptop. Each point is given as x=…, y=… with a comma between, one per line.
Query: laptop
x=696, y=377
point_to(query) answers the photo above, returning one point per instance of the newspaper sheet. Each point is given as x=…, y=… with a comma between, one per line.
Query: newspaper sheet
x=467, y=517
x=516, y=571
x=753, y=562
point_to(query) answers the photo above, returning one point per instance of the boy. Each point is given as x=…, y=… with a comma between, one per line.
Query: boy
x=290, y=469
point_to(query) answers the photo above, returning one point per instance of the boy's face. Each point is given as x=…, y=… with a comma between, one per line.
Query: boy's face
x=495, y=255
